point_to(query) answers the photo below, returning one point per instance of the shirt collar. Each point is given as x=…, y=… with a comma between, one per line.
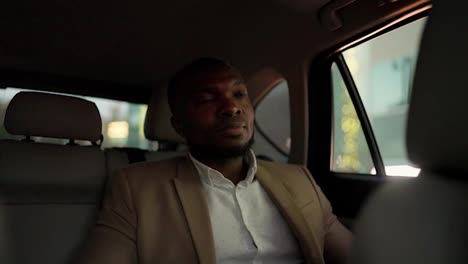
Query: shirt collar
x=213, y=177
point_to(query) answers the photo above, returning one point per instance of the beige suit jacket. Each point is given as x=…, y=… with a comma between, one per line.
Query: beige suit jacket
x=156, y=212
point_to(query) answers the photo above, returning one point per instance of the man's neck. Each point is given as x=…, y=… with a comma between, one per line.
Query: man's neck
x=234, y=169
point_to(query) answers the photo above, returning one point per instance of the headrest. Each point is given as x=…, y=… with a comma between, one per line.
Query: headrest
x=51, y=115
x=158, y=125
x=437, y=123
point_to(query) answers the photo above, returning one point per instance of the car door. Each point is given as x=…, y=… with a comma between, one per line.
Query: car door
x=358, y=103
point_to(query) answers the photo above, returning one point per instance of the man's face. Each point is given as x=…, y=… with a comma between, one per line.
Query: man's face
x=216, y=115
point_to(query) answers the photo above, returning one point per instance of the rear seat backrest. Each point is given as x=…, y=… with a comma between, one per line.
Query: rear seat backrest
x=49, y=192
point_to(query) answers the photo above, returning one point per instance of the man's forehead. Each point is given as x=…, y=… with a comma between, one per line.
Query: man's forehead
x=213, y=75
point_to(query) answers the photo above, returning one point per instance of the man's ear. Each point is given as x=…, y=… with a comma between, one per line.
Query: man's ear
x=177, y=125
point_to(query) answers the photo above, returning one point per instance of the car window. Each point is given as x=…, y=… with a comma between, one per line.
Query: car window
x=273, y=121
x=122, y=122
x=382, y=71
x=350, y=149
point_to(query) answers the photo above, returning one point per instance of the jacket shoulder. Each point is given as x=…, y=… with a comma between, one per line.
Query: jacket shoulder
x=295, y=177
x=164, y=169
x=281, y=167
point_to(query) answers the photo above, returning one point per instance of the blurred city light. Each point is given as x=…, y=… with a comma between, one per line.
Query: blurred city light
x=117, y=129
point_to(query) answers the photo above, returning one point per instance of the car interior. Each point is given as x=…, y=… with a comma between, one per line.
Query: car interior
x=367, y=94
x=425, y=218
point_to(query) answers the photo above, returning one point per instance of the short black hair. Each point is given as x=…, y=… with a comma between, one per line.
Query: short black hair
x=200, y=64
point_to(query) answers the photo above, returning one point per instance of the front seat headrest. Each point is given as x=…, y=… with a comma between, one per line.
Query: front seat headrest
x=437, y=124
x=55, y=116
x=158, y=125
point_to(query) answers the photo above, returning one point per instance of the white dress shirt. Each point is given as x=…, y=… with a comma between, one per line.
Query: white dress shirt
x=247, y=226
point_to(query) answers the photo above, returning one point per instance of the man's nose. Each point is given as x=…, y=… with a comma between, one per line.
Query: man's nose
x=229, y=109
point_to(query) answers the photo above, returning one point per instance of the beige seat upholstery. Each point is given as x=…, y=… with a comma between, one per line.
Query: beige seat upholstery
x=424, y=220
x=158, y=128
x=49, y=192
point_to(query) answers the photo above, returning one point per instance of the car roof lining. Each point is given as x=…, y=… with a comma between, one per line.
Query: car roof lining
x=96, y=48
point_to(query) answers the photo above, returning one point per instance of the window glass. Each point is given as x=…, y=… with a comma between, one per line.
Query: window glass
x=122, y=122
x=350, y=150
x=382, y=69
x=273, y=120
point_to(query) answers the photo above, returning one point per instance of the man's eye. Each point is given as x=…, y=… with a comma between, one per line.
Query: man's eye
x=204, y=97
x=241, y=94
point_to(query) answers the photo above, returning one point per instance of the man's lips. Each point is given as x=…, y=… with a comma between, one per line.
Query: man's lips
x=233, y=128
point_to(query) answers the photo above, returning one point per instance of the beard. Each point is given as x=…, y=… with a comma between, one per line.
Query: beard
x=214, y=152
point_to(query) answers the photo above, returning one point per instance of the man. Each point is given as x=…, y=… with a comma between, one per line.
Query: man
x=218, y=204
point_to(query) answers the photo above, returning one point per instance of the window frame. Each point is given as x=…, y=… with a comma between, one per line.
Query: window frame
x=324, y=64
x=338, y=58
x=361, y=112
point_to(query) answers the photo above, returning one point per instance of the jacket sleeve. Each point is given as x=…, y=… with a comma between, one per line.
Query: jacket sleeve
x=329, y=217
x=338, y=239
x=113, y=239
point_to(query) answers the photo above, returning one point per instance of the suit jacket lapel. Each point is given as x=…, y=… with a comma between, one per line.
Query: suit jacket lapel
x=292, y=214
x=190, y=191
